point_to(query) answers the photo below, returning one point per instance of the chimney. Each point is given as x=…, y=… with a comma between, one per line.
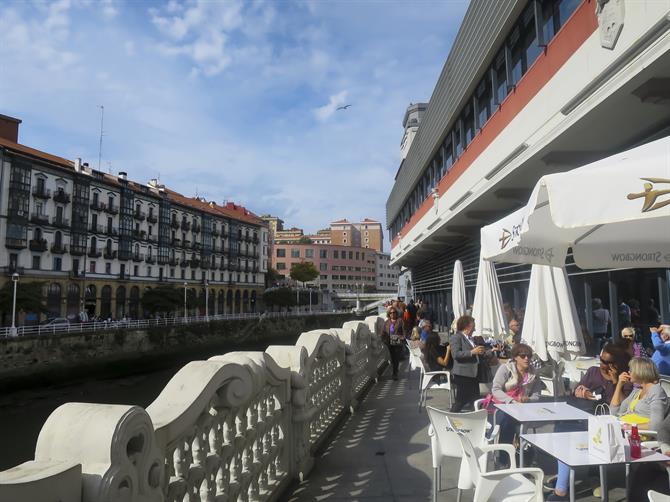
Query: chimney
x=77, y=165
x=153, y=182
x=9, y=128
x=123, y=175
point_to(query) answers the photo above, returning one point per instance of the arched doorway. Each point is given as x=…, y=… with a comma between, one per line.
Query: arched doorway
x=73, y=299
x=221, y=303
x=238, y=301
x=90, y=299
x=212, y=302
x=134, y=303
x=53, y=300
x=201, y=302
x=245, y=301
x=106, y=302
x=252, y=302
x=121, y=302
x=229, y=302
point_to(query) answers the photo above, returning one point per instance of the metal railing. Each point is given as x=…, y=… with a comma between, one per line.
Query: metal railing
x=82, y=327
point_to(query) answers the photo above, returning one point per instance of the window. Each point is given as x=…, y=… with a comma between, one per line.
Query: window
x=108, y=268
x=58, y=263
x=281, y=253
x=323, y=266
x=351, y=255
x=344, y=241
x=323, y=277
x=295, y=253
x=281, y=266
x=136, y=270
x=36, y=262
x=358, y=255
x=323, y=253
x=91, y=267
x=148, y=271
x=309, y=253
x=336, y=254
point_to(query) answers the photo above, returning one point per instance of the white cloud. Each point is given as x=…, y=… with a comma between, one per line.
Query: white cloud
x=324, y=112
x=109, y=9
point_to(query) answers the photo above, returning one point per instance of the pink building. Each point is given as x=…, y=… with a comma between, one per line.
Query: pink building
x=340, y=267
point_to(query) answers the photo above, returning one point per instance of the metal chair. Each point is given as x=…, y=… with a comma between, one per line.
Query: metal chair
x=444, y=427
x=508, y=485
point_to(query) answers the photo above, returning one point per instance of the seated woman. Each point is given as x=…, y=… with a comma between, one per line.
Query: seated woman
x=649, y=401
x=660, y=339
x=515, y=382
x=599, y=380
x=415, y=340
x=435, y=356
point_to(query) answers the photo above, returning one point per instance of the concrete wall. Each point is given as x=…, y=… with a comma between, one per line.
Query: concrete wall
x=30, y=359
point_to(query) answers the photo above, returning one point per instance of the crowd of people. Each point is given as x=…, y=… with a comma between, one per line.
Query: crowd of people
x=626, y=379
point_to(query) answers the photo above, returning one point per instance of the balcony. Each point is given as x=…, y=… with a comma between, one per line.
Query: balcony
x=124, y=276
x=60, y=222
x=39, y=218
x=195, y=263
x=174, y=224
x=139, y=234
x=96, y=205
x=215, y=232
x=151, y=218
x=77, y=251
x=224, y=234
x=197, y=228
x=176, y=241
x=206, y=265
x=38, y=245
x=111, y=231
x=187, y=243
x=109, y=254
x=13, y=269
x=112, y=209
x=196, y=245
x=254, y=239
x=94, y=252
x=138, y=257
x=184, y=263
x=150, y=259
x=173, y=262
x=61, y=196
x=139, y=215
x=223, y=266
x=77, y=274
x=58, y=249
x=185, y=225
x=41, y=192
x=96, y=229
x=152, y=238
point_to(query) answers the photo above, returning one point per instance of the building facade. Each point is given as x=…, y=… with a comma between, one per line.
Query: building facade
x=387, y=274
x=529, y=88
x=98, y=241
x=366, y=234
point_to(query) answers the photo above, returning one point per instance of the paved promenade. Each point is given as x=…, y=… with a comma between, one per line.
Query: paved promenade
x=382, y=453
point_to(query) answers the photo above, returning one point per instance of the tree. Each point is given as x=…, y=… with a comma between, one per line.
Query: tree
x=274, y=276
x=304, y=271
x=279, y=297
x=162, y=299
x=304, y=240
x=29, y=297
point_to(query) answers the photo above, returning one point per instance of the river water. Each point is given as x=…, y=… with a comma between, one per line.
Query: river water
x=23, y=412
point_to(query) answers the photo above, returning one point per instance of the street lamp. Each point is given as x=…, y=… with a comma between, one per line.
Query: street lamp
x=185, y=285
x=15, y=280
x=206, y=300
x=358, y=298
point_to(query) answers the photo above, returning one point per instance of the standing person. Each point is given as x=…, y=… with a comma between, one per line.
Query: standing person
x=628, y=337
x=411, y=308
x=394, y=338
x=601, y=322
x=427, y=312
x=660, y=339
x=466, y=363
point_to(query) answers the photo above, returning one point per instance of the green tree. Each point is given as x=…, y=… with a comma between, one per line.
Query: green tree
x=162, y=299
x=29, y=297
x=279, y=297
x=304, y=271
x=304, y=240
x=273, y=275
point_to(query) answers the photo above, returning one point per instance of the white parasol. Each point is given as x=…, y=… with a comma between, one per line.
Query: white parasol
x=487, y=308
x=458, y=301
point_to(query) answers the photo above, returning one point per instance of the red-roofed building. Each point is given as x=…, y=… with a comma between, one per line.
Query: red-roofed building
x=99, y=241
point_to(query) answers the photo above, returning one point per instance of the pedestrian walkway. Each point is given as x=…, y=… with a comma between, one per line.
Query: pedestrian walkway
x=382, y=453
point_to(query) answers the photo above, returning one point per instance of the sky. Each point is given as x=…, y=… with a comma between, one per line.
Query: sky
x=230, y=100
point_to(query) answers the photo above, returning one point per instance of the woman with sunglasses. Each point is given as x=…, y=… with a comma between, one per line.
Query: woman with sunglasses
x=634, y=348
x=515, y=382
x=596, y=386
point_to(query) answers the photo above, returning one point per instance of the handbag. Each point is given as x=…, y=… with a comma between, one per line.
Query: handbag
x=490, y=399
x=605, y=440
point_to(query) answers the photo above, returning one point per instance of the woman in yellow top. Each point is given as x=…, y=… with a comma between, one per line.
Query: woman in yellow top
x=649, y=401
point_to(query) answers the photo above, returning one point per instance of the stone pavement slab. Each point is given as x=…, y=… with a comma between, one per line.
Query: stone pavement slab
x=382, y=453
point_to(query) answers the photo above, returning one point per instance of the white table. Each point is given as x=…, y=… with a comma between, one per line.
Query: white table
x=528, y=413
x=571, y=448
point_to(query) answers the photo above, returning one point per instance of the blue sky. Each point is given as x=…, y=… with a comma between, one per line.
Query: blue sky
x=232, y=100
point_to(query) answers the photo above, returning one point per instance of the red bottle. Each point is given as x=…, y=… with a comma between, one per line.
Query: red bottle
x=635, y=443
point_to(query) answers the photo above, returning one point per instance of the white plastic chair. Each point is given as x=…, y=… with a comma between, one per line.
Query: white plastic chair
x=435, y=380
x=508, y=485
x=444, y=427
x=665, y=385
x=657, y=497
x=415, y=361
x=492, y=429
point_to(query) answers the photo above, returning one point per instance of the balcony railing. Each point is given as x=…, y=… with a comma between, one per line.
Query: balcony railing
x=61, y=196
x=139, y=234
x=58, y=248
x=96, y=205
x=176, y=241
x=97, y=229
x=151, y=218
x=13, y=269
x=60, y=222
x=138, y=257
x=38, y=245
x=139, y=215
x=174, y=224
x=186, y=243
x=196, y=245
x=173, y=262
x=195, y=263
x=112, y=209
x=215, y=232
x=152, y=238
x=185, y=225
x=41, y=192
x=150, y=259
x=94, y=252
x=196, y=228
x=39, y=218
x=184, y=263
x=77, y=251
x=110, y=254
x=111, y=231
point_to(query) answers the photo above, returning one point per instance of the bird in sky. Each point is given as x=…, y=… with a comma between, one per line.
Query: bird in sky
x=342, y=107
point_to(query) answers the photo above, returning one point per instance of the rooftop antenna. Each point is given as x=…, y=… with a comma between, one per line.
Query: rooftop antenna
x=102, y=121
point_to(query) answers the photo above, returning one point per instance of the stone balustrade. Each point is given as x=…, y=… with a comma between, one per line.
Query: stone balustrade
x=240, y=426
